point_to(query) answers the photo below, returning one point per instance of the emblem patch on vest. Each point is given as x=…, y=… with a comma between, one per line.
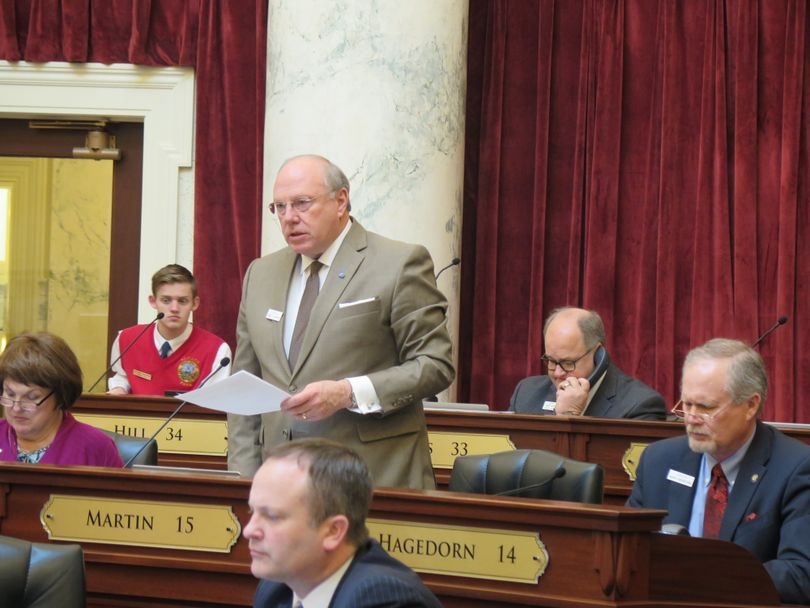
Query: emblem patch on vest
x=188, y=370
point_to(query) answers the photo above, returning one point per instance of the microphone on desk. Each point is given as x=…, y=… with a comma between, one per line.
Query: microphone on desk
x=453, y=262
x=780, y=321
x=159, y=316
x=223, y=363
x=558, y=472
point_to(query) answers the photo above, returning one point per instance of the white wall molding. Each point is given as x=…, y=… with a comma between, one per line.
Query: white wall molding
x=161, y=98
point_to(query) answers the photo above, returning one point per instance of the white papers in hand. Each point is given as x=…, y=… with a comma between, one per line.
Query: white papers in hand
x=243, y=393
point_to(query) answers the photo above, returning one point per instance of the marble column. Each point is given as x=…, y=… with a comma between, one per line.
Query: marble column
x=378, y=87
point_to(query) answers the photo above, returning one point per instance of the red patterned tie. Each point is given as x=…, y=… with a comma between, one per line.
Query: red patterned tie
x=716, y=499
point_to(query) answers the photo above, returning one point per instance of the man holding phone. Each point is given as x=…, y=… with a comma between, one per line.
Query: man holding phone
x=581, y=379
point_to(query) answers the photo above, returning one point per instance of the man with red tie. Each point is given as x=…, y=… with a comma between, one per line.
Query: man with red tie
x=732, y=476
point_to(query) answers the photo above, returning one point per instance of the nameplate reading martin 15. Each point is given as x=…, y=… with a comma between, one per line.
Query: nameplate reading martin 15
x=181, y=435
x=169, y=525
x=631, y=458
x=446, y=446
x=504, y=555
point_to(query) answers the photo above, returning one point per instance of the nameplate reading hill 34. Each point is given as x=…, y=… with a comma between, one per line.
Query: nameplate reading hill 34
x=181, y=436
x=504, y=555
x=168, y=525
x=445, y=446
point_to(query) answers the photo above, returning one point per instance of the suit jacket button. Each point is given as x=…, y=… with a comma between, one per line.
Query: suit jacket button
x=293, y=388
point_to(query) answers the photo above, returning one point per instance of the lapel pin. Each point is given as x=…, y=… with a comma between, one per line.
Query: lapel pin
x=754, y=477
x=341, y=275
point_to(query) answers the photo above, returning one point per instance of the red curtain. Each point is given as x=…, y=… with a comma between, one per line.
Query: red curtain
x=647, y=159
x=225, y=42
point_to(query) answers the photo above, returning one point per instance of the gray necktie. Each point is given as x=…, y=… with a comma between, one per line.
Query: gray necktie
x=304, y=311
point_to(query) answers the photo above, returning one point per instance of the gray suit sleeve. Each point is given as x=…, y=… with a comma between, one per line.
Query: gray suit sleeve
x=244, y=432
x=419, y=328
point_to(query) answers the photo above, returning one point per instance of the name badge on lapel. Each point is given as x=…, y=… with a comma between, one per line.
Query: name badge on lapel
x=681, y=478
x=273, y=314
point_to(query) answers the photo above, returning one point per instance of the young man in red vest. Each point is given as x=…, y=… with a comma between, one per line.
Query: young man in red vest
x=172, y=356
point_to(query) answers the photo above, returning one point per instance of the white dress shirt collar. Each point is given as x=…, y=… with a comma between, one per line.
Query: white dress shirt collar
x=321, y=596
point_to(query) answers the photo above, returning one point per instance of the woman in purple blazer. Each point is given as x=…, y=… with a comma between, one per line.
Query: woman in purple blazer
x=41, y=380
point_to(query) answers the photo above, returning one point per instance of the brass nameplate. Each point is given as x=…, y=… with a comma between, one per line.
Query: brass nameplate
x=444, y=446
x=181, y=435
x=504, y=555
x=169, y=525
x=631, y=458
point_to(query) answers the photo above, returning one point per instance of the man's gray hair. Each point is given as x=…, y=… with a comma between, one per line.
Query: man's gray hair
x=334, y=177
x=591, y=325
x=746, y=372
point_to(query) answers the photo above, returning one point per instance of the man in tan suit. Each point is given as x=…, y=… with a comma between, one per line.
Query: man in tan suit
x=347, y=321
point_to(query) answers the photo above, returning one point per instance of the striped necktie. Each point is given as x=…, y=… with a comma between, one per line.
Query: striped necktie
x=311, y=290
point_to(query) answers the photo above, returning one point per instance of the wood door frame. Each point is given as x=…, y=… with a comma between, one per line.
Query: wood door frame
x=17, y=139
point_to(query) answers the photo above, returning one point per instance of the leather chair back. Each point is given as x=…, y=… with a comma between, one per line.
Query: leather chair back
x=41, y=575
x=129, y=446
x=530, y=474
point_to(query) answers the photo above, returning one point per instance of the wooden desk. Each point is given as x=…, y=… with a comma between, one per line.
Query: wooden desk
x=598, y=555
x=602, y=440
x=605, y=441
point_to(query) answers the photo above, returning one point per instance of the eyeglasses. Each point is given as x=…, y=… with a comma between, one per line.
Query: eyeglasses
x=301, y=204
x=568, y=365
x=26, y=405
x=707, y=414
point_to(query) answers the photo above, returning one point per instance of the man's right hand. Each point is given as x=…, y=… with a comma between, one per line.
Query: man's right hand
x=572, y=396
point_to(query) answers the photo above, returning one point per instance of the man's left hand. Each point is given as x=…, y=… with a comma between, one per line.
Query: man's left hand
x=319, y=400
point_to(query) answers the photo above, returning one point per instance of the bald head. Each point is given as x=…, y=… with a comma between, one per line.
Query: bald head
x=333, y=177
x=569, y=333
x=312, y=196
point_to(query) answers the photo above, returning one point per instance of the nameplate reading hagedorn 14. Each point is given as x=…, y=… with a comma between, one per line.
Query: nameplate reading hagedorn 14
x=518, y=557
x=446, y=446
x=169, y=525
x=181, y=436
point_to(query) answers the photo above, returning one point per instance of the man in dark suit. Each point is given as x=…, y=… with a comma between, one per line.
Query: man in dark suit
x=308, y=538
x=582, y=380
x=731, y=476
x=372, y=345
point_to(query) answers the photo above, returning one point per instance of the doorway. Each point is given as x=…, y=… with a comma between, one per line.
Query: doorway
x=71, y=240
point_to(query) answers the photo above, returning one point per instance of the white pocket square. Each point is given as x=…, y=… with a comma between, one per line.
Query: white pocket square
x=356, y=302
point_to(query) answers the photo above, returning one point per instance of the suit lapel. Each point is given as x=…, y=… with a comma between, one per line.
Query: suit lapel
x=749, y=477
x=343, y=268
x=599, y=407
x=681, y=496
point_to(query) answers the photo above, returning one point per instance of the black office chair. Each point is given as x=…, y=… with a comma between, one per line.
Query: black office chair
x=530, y=474
x=129, y=446
x=41, y=575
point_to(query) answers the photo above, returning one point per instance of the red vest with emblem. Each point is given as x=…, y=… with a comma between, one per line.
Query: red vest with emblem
x=183, y=370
